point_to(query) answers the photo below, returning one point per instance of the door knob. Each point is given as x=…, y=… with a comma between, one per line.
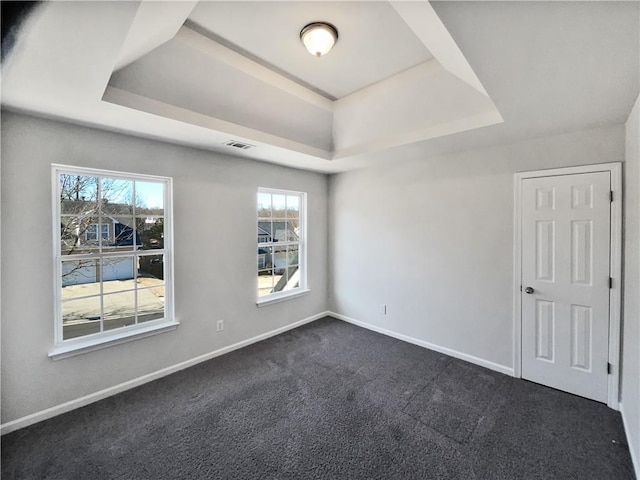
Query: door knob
x=528, y=290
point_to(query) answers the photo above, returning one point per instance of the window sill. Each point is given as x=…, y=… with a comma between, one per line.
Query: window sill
x=90, y=345
x=270, y=300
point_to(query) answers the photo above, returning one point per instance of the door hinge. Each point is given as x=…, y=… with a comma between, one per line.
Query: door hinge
x=611, y=196
x=520, y=287
x=610, y=282
x=609, y=368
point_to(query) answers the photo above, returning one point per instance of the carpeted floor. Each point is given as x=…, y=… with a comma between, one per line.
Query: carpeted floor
x=327, y=401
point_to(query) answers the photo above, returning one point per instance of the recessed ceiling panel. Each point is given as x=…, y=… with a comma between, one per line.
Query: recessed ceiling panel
x=198, y=83
x=424, y=102
x=374, y=42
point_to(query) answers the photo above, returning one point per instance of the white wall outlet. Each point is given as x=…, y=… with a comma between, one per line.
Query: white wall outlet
x=383, y=309
x=220, y=325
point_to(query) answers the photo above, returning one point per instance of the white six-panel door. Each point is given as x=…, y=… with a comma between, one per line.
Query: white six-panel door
x=565, y=282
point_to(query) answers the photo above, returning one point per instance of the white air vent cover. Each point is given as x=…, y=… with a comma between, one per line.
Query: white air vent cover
x=241, y=145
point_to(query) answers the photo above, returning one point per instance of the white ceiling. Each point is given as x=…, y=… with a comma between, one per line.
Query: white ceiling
x=215, y=87
x=374, y=42
x=543, y=67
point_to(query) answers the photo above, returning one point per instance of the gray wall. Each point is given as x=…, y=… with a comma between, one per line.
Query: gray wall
x=215, y=231
x=433, y=239
x=631, y=318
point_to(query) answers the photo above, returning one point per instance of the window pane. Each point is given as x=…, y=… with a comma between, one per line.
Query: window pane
x=293, y=206
x=292, y=255
x=150, y=303
x=279, y=259
x=119, y=310
x=151, y=266
x=117, y=273
x=80, y=272
x=68, y=235
x=150, y=232
x=265, y=258
x=279, y=230
x=150, y=198
x=265, y=282
x=97, y=232
x=150, y=282
x=279, y=280
x=90, y=231
x=117, y=196
x=293, y=230
x=288, y=280
x=117, y=233
x=264, y=205
x=294, y=278
x=264, y=231
x=279, y=206
x=78, y=195
x=80, y=317
x=79, y=234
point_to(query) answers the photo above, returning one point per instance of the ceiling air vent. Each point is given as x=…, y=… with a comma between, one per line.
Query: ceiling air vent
x=236, y=144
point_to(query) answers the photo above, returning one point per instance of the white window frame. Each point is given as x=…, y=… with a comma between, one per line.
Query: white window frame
x=75, y=346
x=303, y=287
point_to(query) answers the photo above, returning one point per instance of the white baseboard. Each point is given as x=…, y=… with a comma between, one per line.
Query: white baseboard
x=437, y=348
x=633, y=449
x=107, y=392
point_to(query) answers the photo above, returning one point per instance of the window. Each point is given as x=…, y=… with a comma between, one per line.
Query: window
x=281, y=244
x=118, y=283
x=91, y=235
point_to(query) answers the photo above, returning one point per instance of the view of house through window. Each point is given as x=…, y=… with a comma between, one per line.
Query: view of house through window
x=280, y=242
x=111, y=252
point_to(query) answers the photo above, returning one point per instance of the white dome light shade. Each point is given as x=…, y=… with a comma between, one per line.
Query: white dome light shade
x=319, y=38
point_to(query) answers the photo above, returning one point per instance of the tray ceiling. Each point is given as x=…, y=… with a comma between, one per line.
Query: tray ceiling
x=204, y=73
x=239, y=68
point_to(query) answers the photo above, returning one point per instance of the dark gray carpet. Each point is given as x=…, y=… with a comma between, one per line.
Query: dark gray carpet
x=327, y=401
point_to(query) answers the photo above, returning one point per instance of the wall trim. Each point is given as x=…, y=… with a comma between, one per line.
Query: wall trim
x=633, y=449
x=136, y=382
x=615, y=267
x=421, y=343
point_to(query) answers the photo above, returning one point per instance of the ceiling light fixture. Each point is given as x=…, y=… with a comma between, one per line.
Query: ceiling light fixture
x=319, y=37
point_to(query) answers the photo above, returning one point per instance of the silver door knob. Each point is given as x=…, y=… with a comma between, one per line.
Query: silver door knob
x=528, y=290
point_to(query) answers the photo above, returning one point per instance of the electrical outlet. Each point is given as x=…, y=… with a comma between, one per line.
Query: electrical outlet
x=383, y=309
x=220, y=325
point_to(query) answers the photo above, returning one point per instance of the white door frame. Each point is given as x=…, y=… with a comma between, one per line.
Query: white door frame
x=615, y=266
